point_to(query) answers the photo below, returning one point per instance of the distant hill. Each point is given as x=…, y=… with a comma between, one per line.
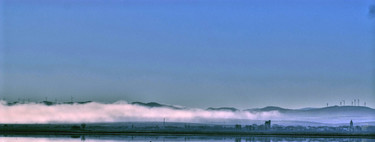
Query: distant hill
x=331, y=114
x=268, y=108
x=223, y=109
x=324, y=110
x=306, y=108
x=154, y=104
x=340, y=110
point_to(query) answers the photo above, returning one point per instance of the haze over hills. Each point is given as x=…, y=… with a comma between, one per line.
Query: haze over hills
x=331, y=110
x=331, y=114
x=123, y=111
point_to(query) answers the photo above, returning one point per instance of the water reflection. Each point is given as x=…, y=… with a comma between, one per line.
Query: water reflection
x=153, y=138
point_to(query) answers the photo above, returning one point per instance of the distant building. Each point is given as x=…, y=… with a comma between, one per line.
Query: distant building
x=249, y=127
x=267, y=125
x=238, y=126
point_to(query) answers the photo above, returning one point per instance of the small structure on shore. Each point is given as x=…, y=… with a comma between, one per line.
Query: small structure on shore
x=238, y=126
x=267, y=125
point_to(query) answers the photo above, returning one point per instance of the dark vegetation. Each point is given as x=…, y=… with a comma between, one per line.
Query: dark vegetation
x=184, y=128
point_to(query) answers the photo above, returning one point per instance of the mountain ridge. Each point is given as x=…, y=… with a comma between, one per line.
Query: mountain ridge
x=233, y=109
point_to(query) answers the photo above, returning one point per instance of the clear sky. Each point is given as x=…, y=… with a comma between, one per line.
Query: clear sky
x=195, y=53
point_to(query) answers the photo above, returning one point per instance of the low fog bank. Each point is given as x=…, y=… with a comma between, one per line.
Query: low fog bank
x=122, y=111
x=116, y=112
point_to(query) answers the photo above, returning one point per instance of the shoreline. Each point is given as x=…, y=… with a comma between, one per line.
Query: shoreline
x=41, y=133
x=159, y=129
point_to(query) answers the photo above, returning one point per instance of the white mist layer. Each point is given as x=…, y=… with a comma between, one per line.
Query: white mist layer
x=117, y=112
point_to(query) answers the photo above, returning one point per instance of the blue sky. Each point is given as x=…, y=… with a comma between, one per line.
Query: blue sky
x=196, y=53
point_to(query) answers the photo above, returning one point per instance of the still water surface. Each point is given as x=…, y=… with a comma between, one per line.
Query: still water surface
x=138, y=138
